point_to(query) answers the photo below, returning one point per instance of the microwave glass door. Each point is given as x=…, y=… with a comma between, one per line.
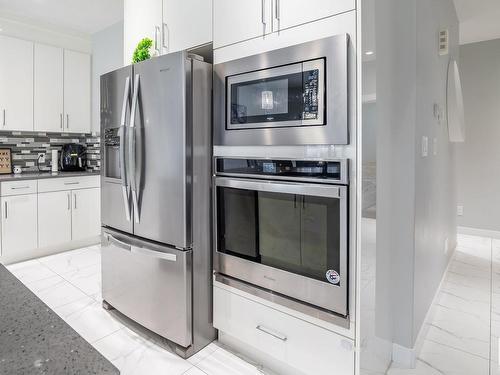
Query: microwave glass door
x=296, y=233
x=291, y=95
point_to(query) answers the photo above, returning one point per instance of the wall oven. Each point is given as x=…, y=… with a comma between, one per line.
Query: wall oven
x=281, y=225
x=291, y=96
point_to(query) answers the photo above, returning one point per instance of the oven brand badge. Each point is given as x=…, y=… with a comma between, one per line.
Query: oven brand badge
x=333, y=277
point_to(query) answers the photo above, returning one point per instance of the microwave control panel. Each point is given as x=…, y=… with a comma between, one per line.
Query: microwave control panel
x=310, y=82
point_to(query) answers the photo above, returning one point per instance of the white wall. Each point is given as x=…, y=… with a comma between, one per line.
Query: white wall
x=416, y=196
x=478, y=159
x=107, y=55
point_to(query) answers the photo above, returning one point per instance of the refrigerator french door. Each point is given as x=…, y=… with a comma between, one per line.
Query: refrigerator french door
x=154, y=114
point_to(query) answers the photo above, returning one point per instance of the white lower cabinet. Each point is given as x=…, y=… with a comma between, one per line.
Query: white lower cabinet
x=49, y=215
x=302, y=346
x=54, y=218
x=19, y=224
x=86, y=213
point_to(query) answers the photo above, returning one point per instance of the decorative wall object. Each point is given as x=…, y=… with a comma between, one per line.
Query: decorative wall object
x=5, y=161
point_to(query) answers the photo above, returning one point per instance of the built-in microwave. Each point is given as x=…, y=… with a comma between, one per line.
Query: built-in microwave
x=291, y=96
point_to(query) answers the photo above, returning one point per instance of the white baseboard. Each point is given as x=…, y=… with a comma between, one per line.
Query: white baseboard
x=407, y=357
x=479, y=232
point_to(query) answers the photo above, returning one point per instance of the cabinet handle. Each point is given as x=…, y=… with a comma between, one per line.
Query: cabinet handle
x=278, y=11
x=3, y=124
x=263, y=17
x=61, y=120
x=74, y=196
x=6, y=211
x=271, y=333
x=69, y=201
x=67, y=121
x=71, y=183
x=157, y=32
x=164, y=36
x=19, y=187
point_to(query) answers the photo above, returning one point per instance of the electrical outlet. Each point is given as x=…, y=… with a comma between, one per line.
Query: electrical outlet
x=460, y=210
x=435, y=146
x=41, y=157
x=446, y=245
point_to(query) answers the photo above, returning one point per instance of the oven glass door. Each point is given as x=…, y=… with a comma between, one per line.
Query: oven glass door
x=300, y=228
x=291, y=95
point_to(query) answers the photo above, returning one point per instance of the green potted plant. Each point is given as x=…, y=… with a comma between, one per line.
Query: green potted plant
x=142, y=51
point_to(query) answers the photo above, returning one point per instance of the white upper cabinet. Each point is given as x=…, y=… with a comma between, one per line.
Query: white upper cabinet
x=76, y=92
x=289, y=13
x=16, y=84
x=48, y=88
x=142, y=19
x=238, y=20
x=186, y=24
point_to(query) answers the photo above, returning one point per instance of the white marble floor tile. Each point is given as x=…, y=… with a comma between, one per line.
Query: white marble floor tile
x=194, y=371
x=222, y=362
x=55, y=291
x=203, y=353
x=65, y=311
x=147, y=358
x=87, y=279
x=93, y=322
x=30, y=271
x=71, y=260
x=117, y=346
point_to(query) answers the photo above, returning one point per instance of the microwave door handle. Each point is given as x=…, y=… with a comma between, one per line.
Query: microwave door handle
x=132, y=149
x=123, y=163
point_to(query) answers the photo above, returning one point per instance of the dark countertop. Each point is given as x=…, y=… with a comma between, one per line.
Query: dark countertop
x=40, y=175
x=35, y=340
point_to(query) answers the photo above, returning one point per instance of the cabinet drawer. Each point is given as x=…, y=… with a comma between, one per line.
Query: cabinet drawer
x=18, y=187
x=68, y=183
x=284, y=337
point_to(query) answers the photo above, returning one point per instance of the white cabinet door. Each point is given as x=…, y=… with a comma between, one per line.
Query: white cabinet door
x=238, y=20
x=19, y=224
x=289, y=13
x=86, y=214
x=142, y=19
x=48, y=88
x=54, y=218
x=16, y=84
x=186, y=24
x=76, y=92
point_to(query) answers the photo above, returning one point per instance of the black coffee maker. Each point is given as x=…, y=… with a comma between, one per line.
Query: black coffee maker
x=73, y=157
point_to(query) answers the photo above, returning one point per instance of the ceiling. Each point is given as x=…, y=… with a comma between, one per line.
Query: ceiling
x=479, y=20
x=77, y=16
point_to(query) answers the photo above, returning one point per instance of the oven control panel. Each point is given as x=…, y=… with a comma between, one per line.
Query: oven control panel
x=332, y=171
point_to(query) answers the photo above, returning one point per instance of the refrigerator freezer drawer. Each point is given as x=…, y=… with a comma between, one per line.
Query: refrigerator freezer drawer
x=149, y=283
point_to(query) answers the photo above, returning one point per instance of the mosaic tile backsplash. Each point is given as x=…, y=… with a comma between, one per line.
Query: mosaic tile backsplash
x=26, y=146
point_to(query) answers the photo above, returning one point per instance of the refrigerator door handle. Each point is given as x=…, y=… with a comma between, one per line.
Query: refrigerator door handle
x=123, y=164
x=154, y=254
x=132, y=150
x=118, y=243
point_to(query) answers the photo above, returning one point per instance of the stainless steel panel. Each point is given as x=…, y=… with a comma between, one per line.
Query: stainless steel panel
x=149, y=283
x=315, y=292
x=336, y=129
x=160, y=142
x=115, y=109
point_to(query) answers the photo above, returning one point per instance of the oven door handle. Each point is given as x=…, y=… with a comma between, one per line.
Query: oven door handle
x=316, y=190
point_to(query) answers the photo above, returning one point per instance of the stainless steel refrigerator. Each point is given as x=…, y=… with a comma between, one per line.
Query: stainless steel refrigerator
x=156, y=241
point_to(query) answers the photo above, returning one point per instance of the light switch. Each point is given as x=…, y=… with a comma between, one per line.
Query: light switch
x=425, y=146
x=460, y=210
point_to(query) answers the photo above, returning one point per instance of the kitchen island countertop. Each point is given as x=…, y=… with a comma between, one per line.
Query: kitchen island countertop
x=35, y=340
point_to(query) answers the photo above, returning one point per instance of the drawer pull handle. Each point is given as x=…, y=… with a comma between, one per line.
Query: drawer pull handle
x=271, y=333
x=19, y=187
x=71, y=183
